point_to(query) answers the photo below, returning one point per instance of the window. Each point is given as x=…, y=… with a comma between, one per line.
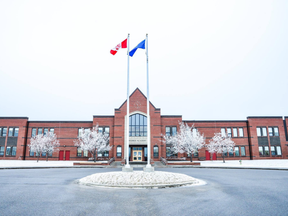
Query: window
x=241, y=133
x=261, y=131
x=169, y=153
x=33, y=132
x=171, y=131
x=273, y=131
x=43, y=154
x=194, y=131
x=243, y=153
x=31, y=154
x=52, y=130
x=196, y=153
x=4, y=132
x=45, y=131
x=119, y=151
x=137, y=125
x=223, y=132
x=229, y=132
x=13, y=132
x=39, y=131
x=103, y=154
x=155, y=151
x=235, y=134
x=278, y=150
x=104, y=130
x=85, y=153
x=50, y=154
x=10, y=134
x=273, y=150
x=79, y=152
x=237, y=151
x=11, y=150
x=264, y=150
x=231, y=154
x=260, y=150
x=2, y=150
x=16, y=132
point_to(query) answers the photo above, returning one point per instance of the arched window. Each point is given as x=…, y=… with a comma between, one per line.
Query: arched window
x=137, y=125
x=155, y=151
x=119, y=151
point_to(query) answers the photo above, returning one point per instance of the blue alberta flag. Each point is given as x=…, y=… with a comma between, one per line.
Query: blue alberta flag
x=140, y=45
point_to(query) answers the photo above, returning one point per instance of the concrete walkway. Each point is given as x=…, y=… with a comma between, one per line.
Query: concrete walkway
x=250, y=164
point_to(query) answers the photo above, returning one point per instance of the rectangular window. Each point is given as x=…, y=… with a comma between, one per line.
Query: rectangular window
x=33, y=132
x=264, y=131
x=243, y=153
x=39, y=131
x=270, y=131
x=258, y=131
x=10, y=134
x=231, y=154
x=16, y=132
x=99, y=154
x=266, y=150
x=174, y=131
x=11, y=150
x=31, y=154
x=43, y=154
x=85, y=153
x=194, y=131
x=273, y=150
x=14, y=151
x=107, y=131
x=260, y=150
x=100, y=129
x=8, y=150
x=52, y=130
x=196, y=153
x=106, y=154
x=156, y=151
x=237, y=151
x=0, y=131
x=229, y=132
x=45, y=131
x=86, y=130
x=168, y=133
x=241, y=132
x=223, y=132
x=119, y=151
x=278, y=148
x=235, y=134
x=4, y=132
x=79, y=132
x=50, y=154
x=2, y=150
x=276, y=132
x=79, y=152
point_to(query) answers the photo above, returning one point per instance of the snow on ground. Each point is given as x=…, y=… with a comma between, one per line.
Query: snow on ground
x=138, y=178
x=273, y=163
x=277, y=163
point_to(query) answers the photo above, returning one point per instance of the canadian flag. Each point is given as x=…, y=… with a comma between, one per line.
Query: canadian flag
x=122, y=45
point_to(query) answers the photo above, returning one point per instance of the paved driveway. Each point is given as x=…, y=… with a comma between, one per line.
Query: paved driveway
x=228, y=192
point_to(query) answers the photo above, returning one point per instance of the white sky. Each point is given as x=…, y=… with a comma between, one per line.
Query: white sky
x=209, y=60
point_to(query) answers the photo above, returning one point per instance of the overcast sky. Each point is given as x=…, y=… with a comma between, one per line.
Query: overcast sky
x=209, y=60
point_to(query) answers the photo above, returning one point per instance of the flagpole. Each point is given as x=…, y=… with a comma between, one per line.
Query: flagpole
x=127, y=116
x=148, y=112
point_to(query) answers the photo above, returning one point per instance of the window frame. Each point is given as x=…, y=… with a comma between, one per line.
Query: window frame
x=119, y=153
x=155, y=153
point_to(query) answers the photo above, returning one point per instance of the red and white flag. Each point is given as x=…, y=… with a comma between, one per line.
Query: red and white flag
x=122, y=45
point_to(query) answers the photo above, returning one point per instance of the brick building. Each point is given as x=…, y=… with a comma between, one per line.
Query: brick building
x=255, y=138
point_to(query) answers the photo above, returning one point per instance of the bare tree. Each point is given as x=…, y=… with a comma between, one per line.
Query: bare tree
x=50, y=144
x=187, y=140
x=44, y=143
x=221, y=144
x=93, y=141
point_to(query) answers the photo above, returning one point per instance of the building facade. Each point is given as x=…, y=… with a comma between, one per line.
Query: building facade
x=255, y=137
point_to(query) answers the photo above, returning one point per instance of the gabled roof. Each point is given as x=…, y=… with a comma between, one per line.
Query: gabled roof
x=137, y=89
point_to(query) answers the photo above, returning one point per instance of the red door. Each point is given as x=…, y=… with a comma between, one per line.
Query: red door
x=214, y=156
x=67, y=155
x=61, y=154
x=207, y=155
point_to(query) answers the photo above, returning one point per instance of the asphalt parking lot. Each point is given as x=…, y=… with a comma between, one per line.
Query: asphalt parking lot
x=227, y=192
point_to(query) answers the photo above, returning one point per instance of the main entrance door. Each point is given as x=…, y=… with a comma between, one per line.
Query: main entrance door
x=137, y=153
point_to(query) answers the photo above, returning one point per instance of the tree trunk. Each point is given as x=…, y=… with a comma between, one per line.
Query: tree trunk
x=191, y=157
x=94, y=154
x=223, y=157
x=46, y=156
